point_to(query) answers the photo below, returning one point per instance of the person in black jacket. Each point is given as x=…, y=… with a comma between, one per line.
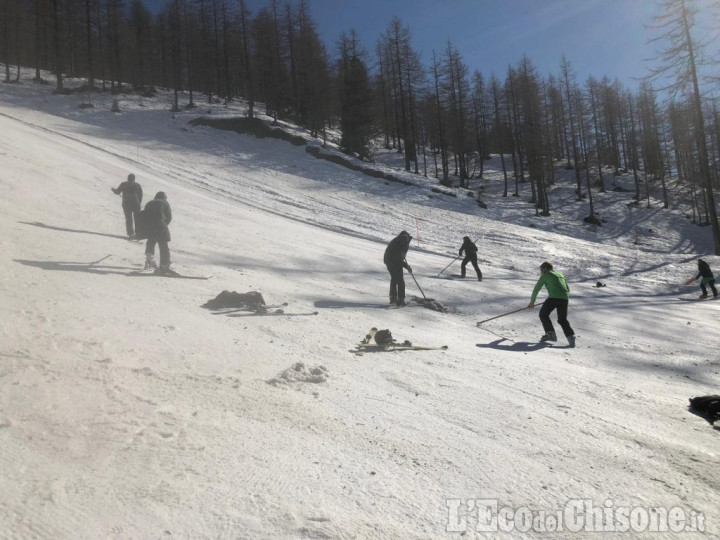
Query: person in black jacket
x=132, y=195
x=156, y=218
x=395, y=261
x=708, y=278
x=470, y=250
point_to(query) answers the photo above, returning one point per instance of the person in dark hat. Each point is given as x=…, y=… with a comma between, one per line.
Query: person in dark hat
x=156, y=218
x=470, y=250
x=394, y=259
x=708, y=278
x=132, y=195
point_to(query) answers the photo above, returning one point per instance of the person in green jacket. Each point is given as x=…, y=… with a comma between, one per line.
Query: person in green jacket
x=558, y=297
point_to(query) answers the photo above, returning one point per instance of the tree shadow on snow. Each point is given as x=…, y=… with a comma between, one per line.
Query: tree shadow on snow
x=67, y=266
x=54, y=228
x=513, y=346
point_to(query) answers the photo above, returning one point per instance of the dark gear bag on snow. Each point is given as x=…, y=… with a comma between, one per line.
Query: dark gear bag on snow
x=252, y=300
x=706, y=406
x=383, y=337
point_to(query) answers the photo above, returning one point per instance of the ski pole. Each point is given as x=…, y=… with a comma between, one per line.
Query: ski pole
x=416, y=283
x=508, y=313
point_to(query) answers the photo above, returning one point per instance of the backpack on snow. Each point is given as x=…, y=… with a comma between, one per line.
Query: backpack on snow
x=383, y=337
x=706, y=406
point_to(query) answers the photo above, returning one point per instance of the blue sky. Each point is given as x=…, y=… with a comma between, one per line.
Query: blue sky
x=599, y=37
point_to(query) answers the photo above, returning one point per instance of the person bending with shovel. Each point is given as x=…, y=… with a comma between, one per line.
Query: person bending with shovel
x=395, y=261
x=558, y=298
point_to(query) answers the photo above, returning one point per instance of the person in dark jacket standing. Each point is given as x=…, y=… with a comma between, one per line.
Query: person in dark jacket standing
x=708, y=278
x=558, y=297
x=132, y=195
x=470, y=250
x=156, y=218
x=395, y=261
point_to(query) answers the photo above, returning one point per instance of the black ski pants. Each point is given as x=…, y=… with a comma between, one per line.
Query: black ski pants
x=712, y=287
x=562, y=308
x=164, y=250
x=470, y=258
x=397, y=282
x=131, y=212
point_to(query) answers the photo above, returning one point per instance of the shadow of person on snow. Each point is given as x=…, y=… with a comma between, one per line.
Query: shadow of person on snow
x=334, y=304
x=54, y=228
x=66, y=266
x=515, y=346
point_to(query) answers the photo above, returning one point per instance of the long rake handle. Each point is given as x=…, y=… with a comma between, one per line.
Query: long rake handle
x=508, y=313
x=448, y=266
x=416, y=283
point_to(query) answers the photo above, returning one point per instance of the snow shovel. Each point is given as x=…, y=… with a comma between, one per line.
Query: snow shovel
x=429, y=303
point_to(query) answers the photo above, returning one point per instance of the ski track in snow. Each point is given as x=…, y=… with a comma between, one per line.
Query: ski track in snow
x=126, y=411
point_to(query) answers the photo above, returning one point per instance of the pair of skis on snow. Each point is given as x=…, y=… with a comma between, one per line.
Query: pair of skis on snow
x=168, y=274
x=261, y=311
x=369, y=345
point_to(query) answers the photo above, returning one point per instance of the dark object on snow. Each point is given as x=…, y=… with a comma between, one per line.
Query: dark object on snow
x=383, y=337
x=707, y=407
x=593, y=219
x=430, y=303
x=600, y=284
x=230, y=299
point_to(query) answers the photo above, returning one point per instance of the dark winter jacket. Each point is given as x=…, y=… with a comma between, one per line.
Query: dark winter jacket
x=704, y=271
x=468, y=247
x=397, y=249
x=132, y=194
x=156, y=217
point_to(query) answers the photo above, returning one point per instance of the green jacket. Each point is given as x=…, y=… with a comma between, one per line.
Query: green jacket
x=556, y=285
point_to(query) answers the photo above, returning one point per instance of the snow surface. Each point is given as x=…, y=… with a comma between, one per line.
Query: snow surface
x=127, y=411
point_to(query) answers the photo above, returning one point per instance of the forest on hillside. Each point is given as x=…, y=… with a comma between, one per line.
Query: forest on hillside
x=443, y=113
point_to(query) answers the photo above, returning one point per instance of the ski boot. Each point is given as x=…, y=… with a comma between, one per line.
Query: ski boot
x=550, y=336
x=150, y=262
x=571, y=341
x=165, y=270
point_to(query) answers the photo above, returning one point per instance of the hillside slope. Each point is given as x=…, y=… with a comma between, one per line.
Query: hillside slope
x=127, y=411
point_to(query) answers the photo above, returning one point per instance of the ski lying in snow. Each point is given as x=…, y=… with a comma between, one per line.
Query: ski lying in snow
x=362, y=348
x=368, y=345
x=276, y=313
x=246, y=309
x=698, y=298
x=170, y=275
